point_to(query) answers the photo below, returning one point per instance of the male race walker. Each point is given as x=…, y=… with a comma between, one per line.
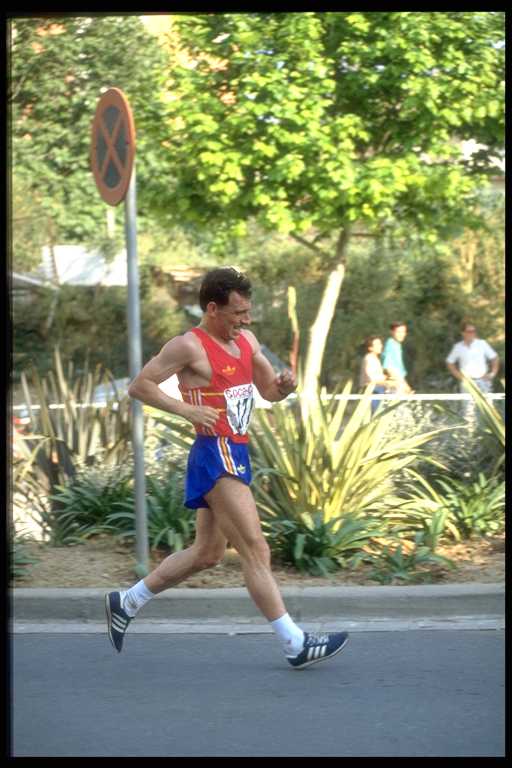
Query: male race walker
x=217, y=365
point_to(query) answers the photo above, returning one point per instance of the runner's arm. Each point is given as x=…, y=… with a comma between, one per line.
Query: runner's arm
x=271, y=387
x=172, y=358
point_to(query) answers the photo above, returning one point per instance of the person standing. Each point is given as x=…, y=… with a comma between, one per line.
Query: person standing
x=472, y=357
x=392, y=358
x=217, y=365
x=372, y=371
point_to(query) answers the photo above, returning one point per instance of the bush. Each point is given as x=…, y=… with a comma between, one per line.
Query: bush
x=103, y=501
x=316, y=548
x=82, y=508
x=407, y=562
x=449, y=507
x=476, y=508
x=330, y=473
x=170, y=524
x=62, y=440
x=20, y=558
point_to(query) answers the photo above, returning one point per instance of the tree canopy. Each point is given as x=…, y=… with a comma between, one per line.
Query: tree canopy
x=315, y=121
x=283, y=139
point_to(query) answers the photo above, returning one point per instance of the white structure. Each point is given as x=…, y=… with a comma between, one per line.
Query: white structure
x=75, y=265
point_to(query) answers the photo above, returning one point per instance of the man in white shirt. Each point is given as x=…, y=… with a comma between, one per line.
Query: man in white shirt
x=472, y=356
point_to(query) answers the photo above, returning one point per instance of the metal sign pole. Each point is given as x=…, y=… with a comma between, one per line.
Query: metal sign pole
x=135, y=357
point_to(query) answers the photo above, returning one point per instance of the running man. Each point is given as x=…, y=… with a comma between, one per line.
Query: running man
x=217, y=365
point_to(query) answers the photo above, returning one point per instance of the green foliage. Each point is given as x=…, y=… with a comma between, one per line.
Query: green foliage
x=333, y=463
x=63, y=439
x=409, y=564
x=421, y=509
x=332, y=474
x=80, y=428
x=93, y=319
x=58, y=69
x=493, y=422
x=316, y=120
x=314, y=547
x=476, y=508
x=325, y=119
x=325, y=124
x=20, y=557
x=31, y=227
x=82, y=507
x=102, y=500
x=450, y=507
x=170, y=524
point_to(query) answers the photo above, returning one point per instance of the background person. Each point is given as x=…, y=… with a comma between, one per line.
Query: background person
x=393, y=361
x=472, y=357
x=372, y=371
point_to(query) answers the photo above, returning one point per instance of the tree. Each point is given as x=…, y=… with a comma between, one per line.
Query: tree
x=58, y=69
x=331, y=125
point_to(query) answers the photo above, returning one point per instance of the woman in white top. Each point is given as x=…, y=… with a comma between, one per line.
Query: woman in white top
x=371, y=369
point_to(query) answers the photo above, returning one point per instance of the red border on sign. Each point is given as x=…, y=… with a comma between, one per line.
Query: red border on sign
x=113, y=97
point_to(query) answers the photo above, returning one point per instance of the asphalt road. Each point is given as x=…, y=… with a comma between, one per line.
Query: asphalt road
x=422, y=693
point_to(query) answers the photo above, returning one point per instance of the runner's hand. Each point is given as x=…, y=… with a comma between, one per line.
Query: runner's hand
x=202, y=416
x=286, y=383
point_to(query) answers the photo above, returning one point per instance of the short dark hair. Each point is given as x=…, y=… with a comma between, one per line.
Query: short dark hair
x=397, y=324
x=370, y=339
x=218, y=284
x=465, y=324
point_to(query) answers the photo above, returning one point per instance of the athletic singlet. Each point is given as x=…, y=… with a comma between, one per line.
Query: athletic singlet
x=230, y=391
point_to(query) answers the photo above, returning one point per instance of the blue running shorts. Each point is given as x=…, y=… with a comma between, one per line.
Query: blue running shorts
x=210, y=458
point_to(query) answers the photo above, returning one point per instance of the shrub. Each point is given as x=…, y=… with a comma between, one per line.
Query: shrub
x=327, y=474
x=64, y=439
x=406, y=562
x=449, y=507
x=170, y=523
x=20, y=558
x=316, y=548
x=476, y=508
x=82, y=507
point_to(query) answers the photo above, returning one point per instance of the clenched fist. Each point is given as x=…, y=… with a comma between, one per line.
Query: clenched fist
x=286, y=383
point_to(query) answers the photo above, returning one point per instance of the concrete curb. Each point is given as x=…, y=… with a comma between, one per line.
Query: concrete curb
x=303, y=603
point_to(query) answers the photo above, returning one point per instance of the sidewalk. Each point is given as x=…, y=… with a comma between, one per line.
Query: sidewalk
x=370, y=607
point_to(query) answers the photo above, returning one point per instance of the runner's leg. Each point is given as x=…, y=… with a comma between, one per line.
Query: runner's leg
x=235, y=511
x=207, y=550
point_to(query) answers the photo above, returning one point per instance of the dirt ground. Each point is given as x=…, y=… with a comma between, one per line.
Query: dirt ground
x=103, y=562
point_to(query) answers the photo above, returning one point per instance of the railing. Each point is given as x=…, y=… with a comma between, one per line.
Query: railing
x=455, y=396
x=432, y=396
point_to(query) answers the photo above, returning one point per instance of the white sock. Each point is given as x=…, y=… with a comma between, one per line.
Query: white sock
x=291, y=636
x=134, y=598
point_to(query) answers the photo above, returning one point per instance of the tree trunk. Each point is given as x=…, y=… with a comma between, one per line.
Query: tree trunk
x=319, y=331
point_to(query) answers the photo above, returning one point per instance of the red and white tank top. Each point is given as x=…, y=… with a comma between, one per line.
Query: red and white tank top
x=231, y=390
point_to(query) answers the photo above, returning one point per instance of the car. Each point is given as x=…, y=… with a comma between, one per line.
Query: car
x=105, y=393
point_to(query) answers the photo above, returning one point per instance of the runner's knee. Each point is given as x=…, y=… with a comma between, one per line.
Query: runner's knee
x=208, y=557
x=257, y=550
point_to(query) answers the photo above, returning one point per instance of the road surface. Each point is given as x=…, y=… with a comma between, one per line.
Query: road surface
x=403, y=693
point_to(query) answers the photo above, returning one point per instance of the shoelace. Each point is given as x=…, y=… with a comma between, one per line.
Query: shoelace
x=318, y=639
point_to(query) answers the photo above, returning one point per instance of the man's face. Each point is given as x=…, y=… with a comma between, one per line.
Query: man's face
x=469, y=334
x=232, y=317
x=399, y=333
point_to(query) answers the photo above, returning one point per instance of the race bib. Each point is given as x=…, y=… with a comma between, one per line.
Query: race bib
x=239, y=405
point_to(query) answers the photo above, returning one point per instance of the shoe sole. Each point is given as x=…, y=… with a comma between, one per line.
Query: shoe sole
x=109, y=622
x=321, y=658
